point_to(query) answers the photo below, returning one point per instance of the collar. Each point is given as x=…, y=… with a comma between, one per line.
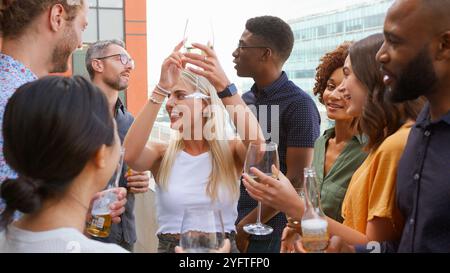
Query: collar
x=119, y=106
x=423, y=120
x=360, y=138
x=19, y=66
x=274, y=87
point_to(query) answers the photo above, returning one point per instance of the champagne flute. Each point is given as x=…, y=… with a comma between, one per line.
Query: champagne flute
x=261, y=156
x=200, y=30
x=202, y=230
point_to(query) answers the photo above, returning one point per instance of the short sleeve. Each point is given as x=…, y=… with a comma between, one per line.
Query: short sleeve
x=302, y=123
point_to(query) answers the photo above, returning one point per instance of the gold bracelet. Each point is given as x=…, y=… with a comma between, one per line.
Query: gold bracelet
x=153, y=100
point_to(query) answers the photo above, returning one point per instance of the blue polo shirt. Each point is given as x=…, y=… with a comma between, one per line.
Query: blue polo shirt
x=298, y=125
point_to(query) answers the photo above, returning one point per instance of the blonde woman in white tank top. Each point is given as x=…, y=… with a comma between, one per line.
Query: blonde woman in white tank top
x=200, y=165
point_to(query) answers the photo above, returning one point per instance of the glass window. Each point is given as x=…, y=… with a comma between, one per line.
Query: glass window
x=111, y=24
x=110, y=3
x=92, y=3
x=91, y=35
x=78, y=62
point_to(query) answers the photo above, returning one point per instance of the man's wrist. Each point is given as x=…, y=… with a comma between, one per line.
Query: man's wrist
x=227, y=91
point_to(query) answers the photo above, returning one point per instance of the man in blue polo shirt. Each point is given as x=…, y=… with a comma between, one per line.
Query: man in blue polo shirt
x=263, y=48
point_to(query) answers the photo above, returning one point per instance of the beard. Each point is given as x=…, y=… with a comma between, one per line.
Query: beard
x=417, y=79
x=115, y=83
x=63, y=51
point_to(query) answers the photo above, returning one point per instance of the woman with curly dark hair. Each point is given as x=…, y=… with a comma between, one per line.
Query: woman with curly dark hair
x=339, y=151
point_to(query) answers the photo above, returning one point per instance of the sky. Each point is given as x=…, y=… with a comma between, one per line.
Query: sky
x=166, y=20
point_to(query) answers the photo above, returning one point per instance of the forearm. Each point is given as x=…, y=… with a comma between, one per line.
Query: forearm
x=246, y=124
x=349, y=235
x=140, y=130
x=295, y=176
x=297, y=159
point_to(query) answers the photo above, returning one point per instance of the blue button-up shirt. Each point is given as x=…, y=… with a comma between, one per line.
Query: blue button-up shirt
x=298, y=125
x=423, y=186
x=13, y=74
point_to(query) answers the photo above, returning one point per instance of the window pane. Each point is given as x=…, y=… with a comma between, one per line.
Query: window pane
x=90, y=35
x=92, y=3
x=111, y=24
x=110, y=3
x=78, y=62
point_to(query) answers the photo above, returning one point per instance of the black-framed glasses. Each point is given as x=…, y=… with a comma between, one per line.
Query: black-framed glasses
x=249, y=46
x=124, y=59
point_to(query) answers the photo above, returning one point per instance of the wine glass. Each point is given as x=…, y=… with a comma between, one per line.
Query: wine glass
x=202, y=230
x=198, y=29
x=261, y=156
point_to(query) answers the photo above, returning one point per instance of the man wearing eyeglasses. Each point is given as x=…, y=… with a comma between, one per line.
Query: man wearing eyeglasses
x=109, y=66
x=263, y=49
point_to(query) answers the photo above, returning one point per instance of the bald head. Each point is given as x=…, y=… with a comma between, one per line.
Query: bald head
x=439, y=13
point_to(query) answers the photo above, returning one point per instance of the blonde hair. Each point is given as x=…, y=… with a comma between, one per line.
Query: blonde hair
x=224, y=172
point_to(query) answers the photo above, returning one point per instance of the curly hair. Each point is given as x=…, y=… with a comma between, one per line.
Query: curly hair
x=328, y=64
x=274, y=31
x=17, y=15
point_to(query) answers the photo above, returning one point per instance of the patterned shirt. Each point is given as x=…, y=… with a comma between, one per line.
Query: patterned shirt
x=298, y=125
x=13, y=74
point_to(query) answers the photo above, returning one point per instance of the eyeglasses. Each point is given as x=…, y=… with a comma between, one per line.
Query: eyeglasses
x=248, y=46
x=124, y=59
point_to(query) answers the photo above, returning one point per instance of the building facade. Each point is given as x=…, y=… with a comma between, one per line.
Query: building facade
x=318, y=34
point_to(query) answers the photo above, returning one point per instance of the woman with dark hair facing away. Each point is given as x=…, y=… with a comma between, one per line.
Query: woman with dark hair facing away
x=60, y=137
x=369, y=209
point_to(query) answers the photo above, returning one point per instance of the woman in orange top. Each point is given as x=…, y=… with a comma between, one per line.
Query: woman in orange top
x=369, y=209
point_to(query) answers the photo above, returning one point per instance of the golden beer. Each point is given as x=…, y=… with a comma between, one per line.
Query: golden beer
x=100, y=225
x=315, y=235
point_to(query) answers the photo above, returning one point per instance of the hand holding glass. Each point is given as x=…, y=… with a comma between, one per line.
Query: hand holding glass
x=100, y=225
x=261, y=156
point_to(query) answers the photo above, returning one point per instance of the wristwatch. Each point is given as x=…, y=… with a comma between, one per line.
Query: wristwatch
x=229, y=91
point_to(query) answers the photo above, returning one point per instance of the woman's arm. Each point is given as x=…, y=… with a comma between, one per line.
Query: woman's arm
x=137, y=155
x=281, y=195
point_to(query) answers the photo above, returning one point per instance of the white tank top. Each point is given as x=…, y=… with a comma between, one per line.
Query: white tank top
x=187, y=188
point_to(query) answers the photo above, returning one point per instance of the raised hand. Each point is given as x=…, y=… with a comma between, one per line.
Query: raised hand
x=171, y=68
x=211, y=68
